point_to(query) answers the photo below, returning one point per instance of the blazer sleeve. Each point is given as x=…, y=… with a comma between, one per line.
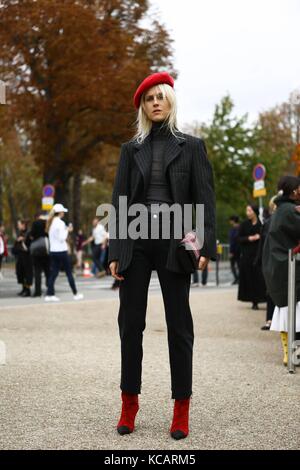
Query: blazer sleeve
x=121, y=188
x=203, y=193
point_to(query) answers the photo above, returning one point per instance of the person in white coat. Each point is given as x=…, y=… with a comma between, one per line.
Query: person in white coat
x=58, y=233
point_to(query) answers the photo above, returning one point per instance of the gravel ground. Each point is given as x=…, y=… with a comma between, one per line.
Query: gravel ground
x=60, y=386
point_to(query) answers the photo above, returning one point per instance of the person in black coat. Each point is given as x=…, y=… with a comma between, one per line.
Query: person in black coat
x=283, y=235
x=264, y=232
x=251, y=283
x=20, y=249
x=160, y=166
x=41, y=264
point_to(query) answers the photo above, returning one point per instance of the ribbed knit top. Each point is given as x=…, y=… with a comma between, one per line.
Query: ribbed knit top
x=158, y=190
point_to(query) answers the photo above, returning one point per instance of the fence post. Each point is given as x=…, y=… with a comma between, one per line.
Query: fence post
x=291, y=309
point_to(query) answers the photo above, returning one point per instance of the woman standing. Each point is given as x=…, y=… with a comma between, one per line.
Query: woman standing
x=58, y=233
x=251, y=282
x=283, y=234
x=159, y=167
x=264, y=232
x=24, y=270
x=41, y=262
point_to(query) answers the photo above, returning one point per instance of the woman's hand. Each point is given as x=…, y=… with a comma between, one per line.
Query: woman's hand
x=114, y=266
x=254, y=238
x=203, y=262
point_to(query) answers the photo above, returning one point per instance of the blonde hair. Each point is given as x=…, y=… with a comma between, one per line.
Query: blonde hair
x=272, y=204
x=144, y=124
x=51, y=216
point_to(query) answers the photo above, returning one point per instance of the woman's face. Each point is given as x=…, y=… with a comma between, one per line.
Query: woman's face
x=156, y=105
x=250, y=213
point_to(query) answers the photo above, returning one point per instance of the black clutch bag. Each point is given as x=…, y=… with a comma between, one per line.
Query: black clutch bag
x=188, y=252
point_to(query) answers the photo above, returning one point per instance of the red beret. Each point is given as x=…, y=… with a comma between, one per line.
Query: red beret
x=150, y=81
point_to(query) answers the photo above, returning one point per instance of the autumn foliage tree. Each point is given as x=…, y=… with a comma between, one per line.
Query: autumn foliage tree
x=235, y=147
x=274, y=144
x=71, y=67
x=20, y=179
x=296, y=159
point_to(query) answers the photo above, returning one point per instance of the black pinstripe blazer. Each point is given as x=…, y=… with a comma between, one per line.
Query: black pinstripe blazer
x=190, y=177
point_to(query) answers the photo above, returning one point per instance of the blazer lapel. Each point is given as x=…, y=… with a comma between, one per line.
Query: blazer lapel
x=143, y=158
x=173, y=149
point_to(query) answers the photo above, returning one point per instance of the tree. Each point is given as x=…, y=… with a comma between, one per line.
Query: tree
x=279, y=138
x=229, y=141
x=292, y=113
x=20, y=178
x=235, y=147
x=296, y=159
x=72, y=66
x=273, y=145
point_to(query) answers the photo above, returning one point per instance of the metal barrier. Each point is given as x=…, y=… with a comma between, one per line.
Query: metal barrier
x=294, y=256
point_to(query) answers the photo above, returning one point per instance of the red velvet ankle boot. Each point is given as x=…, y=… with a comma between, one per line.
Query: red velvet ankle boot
x=130, y=407
x=180, y=424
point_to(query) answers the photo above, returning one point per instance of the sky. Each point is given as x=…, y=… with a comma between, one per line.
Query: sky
x=247, y=48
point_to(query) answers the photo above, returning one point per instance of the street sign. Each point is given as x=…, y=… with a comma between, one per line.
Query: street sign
x=259, y=192
x=48, y=190
x=259, y=172
x=47, y=203
x=2, y=93
x=259, y=189
x=260, y=184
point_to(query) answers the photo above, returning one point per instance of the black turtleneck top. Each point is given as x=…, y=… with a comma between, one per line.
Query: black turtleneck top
x=158, y=191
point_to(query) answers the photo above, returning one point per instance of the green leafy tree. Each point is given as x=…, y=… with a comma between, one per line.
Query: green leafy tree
x=235, y=147
x=230, y=142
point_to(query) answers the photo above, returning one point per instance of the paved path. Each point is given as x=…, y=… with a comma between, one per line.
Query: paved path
x=92, y=288
x=60, y=386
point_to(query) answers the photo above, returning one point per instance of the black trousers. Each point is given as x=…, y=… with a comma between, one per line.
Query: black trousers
x=204, y=276
x=60, y=260
x=270, y=308
x=96, y=252
x=148, y=255
x=40, y=264
x=24, y=268
x=234, y=264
